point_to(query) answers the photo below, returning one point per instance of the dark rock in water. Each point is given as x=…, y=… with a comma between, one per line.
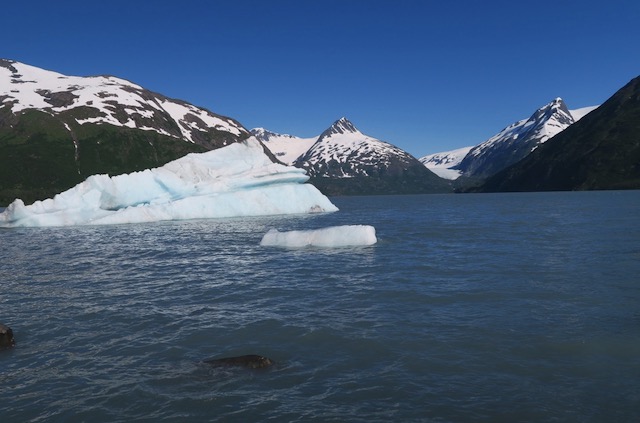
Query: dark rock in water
x=6, y=337
x=251, y=361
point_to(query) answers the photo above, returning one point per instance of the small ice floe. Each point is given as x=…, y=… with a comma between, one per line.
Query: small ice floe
x=333, y=236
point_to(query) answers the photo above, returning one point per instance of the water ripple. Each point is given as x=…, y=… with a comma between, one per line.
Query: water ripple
x=469, y=308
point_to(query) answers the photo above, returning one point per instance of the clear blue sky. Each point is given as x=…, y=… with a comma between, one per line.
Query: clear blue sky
x=427, y=76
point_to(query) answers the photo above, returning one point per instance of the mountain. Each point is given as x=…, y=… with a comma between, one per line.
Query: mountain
x=444, y=164
x=286, y=148
x=508, y=146
x=516, y=141
x=343, y=160
x=601, y=151
x=55, y=130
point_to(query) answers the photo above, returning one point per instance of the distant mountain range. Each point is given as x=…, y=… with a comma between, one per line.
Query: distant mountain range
x=56, y=130
x=343, y=160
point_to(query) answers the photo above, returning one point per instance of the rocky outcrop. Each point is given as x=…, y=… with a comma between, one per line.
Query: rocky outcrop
x=250, y=361
x=6, y=337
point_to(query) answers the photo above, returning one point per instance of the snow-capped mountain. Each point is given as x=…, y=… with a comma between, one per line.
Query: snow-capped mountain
x=287, y=148
x=342, y=151
x=600, y=152
x=509, y=145
x=343, y=160
x=58, y=129
x=113, y=101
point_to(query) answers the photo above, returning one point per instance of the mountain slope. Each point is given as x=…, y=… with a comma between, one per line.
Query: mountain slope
x=345, y=161
x=56, y=130
x=601, y=151
x=444, y=164
x=516, y=141
x=287, y=148
x=506, y=147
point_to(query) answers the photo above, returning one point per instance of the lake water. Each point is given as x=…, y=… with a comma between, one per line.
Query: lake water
x=475, y=307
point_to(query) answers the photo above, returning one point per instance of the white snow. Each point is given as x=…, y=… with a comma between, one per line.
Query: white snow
x=180, y=111
x=441, y=163
x=445, y=173
x=237, y=180
x=333, y=236
x=343, y=144
x=30, y=87
x=287, y=148
x=580, y=113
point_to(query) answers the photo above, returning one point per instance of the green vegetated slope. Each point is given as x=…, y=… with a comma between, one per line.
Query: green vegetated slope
x=41, y=156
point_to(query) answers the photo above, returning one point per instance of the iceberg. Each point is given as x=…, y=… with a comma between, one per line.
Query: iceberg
x=333, y=236
x=236, y=180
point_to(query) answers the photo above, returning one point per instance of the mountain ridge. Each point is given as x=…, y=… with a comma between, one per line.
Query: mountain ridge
x=114, y=101
x=600, y=151
x=56, y=130
x=508, y=146
x=345, y=161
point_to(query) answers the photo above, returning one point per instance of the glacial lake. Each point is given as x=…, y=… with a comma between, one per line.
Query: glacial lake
x=470, y=308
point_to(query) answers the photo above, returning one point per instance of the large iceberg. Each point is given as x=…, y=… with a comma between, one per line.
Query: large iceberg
x=237, y=180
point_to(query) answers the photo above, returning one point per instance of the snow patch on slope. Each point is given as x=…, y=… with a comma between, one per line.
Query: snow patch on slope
x=27, y=87
x=582, y=112
x=348, y=152
x=441, y=163
x=287, y=148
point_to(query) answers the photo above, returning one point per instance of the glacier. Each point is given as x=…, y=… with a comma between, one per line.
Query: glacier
x=233, y=181
x=333, y=236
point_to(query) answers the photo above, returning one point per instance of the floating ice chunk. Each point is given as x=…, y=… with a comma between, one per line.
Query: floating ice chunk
x=334, y=236
x=237, y=180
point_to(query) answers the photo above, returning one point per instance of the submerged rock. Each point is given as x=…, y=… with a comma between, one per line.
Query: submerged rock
x=250, y=361
x=6, y=337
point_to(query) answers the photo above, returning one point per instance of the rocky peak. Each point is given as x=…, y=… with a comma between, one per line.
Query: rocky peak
x=340, y=126
x=558, y=108
x=262, y=134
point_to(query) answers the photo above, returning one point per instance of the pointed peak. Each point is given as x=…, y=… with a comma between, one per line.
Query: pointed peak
x=559, y=103
x=556, y=103
x=340, y=126
x=557, y=106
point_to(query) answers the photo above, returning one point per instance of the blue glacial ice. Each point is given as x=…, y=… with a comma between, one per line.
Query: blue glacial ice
x=333, y=236
x=236, y=180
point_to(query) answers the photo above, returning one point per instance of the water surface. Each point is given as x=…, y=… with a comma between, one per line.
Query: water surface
x=487, y=307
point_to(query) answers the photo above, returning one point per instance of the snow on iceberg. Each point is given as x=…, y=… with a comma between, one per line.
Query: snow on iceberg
x=236, y=180
x=333, y=236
